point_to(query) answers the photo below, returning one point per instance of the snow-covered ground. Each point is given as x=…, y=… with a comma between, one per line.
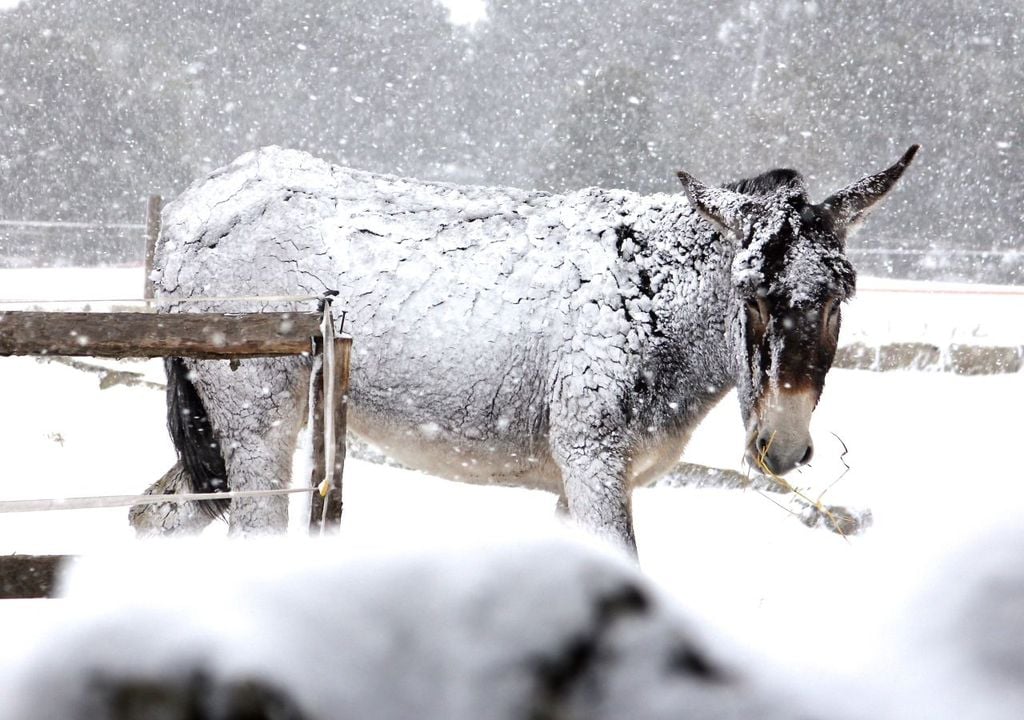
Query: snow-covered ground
x=933, y=455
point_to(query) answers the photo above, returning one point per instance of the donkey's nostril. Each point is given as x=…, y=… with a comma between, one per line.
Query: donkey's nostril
x=761, y=445
x=807, y=455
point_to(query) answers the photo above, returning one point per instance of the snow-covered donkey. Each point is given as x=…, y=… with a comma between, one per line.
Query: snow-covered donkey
x=563, y=342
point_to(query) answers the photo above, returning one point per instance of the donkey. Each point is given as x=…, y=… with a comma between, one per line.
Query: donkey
x=569, y=343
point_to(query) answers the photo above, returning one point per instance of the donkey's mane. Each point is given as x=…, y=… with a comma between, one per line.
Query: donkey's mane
x=769, y=182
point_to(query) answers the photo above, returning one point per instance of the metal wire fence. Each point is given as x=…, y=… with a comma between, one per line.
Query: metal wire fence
x=45, y=243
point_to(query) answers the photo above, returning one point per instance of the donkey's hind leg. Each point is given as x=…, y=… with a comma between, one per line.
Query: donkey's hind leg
x=256, y=409
x=562, y=506
x=169, y=518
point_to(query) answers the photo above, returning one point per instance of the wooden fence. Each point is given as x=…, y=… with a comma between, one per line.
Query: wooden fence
x=223, y=336
x=227, y=336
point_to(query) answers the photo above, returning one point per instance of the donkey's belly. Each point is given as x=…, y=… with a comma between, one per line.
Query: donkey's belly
x=656, y=457
x=463, y=457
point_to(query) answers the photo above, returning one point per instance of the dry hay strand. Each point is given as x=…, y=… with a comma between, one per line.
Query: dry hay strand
x=815, y=513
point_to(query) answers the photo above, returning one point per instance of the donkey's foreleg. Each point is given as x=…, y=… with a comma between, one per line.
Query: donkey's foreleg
x=259, y=463
x=595, y=487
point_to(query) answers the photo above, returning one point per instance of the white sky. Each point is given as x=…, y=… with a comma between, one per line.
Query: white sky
x=460, y=12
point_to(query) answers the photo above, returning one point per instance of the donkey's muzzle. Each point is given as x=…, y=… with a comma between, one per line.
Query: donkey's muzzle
x=779, y=439
x=771, y=459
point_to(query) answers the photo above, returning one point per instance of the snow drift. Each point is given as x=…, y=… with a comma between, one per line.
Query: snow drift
x=544, y=628
x=547, y=627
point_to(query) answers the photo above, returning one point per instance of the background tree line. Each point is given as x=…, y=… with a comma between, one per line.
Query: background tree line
x=103, y=102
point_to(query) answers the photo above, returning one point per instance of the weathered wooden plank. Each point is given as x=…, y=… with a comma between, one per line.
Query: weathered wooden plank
x=343, y=352
x=29, y=576
x=131, y=334
x=316, y=398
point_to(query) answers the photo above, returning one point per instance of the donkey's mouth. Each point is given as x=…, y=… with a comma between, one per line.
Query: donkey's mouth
x=768, y=455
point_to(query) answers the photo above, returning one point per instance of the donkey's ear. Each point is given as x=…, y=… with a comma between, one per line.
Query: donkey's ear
x=852, y=204
x=722, y=208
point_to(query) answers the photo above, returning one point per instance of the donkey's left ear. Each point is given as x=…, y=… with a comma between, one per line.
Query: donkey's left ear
x=852, y=204
x=724, y=209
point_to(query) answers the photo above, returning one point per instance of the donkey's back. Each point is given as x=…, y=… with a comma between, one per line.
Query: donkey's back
x=467, y=304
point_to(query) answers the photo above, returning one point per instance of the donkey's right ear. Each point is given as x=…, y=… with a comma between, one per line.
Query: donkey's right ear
x=722, y=208
x=852, y=204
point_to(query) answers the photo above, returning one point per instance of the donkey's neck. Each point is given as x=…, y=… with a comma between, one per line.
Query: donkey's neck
x=688, y=270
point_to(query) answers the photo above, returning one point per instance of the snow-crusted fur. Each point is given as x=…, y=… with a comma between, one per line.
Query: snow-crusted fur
x=563, y=342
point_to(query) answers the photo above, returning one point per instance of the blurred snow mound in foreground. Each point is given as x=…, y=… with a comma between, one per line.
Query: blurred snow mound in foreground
x=550, y=627
x=544, y=628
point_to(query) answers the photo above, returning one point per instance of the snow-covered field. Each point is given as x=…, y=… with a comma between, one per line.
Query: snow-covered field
x=933, y=455
x=938, y=313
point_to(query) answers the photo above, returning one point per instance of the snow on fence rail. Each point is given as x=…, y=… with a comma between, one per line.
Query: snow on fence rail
x=961, y=359
x=226, y=336
x=963, y=328
x=992, y=291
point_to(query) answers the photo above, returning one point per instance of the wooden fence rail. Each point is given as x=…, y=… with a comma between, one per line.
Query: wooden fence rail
x=131, y=334
x=224, y=336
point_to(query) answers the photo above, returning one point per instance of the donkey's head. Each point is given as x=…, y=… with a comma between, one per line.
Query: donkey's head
x=790, y=276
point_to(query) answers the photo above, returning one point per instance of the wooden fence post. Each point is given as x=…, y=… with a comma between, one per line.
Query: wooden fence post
x=29, y=576
x=342, y=353
x=333, y=499
x=153, y=209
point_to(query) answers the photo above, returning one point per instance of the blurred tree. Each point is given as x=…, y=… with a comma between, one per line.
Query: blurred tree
x=605, y=136
x=105, y=101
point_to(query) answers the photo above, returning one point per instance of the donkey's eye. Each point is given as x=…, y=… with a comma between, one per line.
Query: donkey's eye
x=832, y=315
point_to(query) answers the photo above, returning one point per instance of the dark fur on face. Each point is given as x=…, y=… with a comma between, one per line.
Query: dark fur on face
x=797, y=277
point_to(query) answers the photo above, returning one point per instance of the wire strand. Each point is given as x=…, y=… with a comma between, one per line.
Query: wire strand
x=48, y=224
x=112, y=501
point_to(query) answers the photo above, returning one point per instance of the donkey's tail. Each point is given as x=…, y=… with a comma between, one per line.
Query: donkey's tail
x=194, y=438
